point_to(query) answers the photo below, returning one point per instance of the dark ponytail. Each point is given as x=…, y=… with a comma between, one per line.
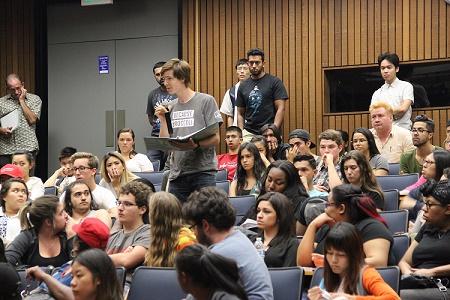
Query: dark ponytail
x=34, y=214
x=210, y=270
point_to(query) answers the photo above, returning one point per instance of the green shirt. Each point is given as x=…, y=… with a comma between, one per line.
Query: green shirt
x=409, y=163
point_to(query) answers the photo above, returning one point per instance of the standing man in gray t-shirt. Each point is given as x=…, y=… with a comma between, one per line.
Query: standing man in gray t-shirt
x=195, y=166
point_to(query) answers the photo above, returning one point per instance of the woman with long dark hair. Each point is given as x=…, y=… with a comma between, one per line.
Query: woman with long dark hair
x=206, y=275
x=275, y=221
x=364, y=142
x=94, y=277
x=347, y=203
x=345, y=273
x=249, y=171
x=263, y=147
x=355, y=169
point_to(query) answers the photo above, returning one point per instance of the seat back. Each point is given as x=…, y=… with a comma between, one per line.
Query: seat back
x=397, y=182
x=50, y=190
x=391, y=275
x=156, y=165
x=241, y=205
x=390, y=200
x=287, y=283
x=155, y=283
x=401, y=244
x=394, y=169
x=396, y=220
x=121, y=273
x=154, y=177
x=223, y=185
x=157, y=187
x=222, y=175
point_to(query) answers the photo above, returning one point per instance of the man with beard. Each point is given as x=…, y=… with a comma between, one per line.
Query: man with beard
x=422, y=134
x=28, y=107
x=158, y=96
x=212, y=218
x=260, y=99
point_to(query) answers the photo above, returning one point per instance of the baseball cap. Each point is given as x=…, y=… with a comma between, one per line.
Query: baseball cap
x=301, y=134
x=93, y=232
x=11, y=171
x=10, y=282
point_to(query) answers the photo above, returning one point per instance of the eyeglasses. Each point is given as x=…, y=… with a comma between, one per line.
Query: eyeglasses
x=418, y=130
x=81, y=169
x=430, y=205
x=125, y=204
x=428, y=162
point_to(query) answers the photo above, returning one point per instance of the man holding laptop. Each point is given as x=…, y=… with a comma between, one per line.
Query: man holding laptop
x=19, y=113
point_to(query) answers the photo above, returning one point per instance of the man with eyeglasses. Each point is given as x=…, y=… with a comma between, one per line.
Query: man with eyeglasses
x=228, y=161
x=422, y=134
x=398, y=93
x=28, y=109
x=158, y=96
x=85, y=166
x=260, y=99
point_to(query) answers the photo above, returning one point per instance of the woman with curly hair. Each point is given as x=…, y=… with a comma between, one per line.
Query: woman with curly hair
x=169, y=235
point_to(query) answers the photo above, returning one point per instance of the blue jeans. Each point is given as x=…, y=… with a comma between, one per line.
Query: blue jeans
x=183, y=186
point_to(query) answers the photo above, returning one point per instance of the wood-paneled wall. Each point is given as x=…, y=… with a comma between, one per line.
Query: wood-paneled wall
x=302, y=37
x=17, y=53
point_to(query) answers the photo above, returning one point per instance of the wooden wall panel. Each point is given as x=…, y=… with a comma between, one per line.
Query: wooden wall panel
x=17, y=42
x=301, y=38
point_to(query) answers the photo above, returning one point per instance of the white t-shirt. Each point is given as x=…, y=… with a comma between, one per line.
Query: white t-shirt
x=9, y=227
x=227, y=106
x=35, y=187
x=394, y=94
x=139, y=163
x=103, y=197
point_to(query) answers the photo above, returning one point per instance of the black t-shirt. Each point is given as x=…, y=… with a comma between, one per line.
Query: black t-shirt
x=433, y=249
x=282, y=253
x=257, y=96
x=280, y=153
x=157, y=97
x=369, y=229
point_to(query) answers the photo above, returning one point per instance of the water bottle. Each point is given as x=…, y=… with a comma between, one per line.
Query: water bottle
x=259, y=245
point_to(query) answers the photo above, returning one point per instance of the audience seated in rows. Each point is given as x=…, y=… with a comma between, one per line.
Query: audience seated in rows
x=135, y=162
x=345, y=270
x=364, y=142
x=13, y=196
x=275, y=219
x=63, y=176
x=229, y=160
x=114, y=173
x=26, y=161
x=347, y=203
x=249, y=172
x=168, y=235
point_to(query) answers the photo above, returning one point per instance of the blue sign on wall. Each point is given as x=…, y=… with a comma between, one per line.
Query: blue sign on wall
x=103, y=64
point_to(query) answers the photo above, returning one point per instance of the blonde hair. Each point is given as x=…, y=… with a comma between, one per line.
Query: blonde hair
x=92, y=159
x=126, y=177
x=166, y=222
x=381, y=104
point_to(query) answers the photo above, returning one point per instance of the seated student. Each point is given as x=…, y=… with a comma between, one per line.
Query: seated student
x=355, y=169
x=130, y=238
x=13, y=196
x=135, y=162
x=250, y=170
x=207, y=275
x=64, y=175
x=43, y=242
x=429, y=253
x=263, y=147
x=168, y=233
x=347, y=203
x=364, y=142
x=275, y=219
x=300, y=144
x=90, y=233
x=25, y=160
x=277, y=149
x=306, y=166
x=114, y=173
x=79, y=205
x=228, y=161
x=346, y=276
x=95, y=277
